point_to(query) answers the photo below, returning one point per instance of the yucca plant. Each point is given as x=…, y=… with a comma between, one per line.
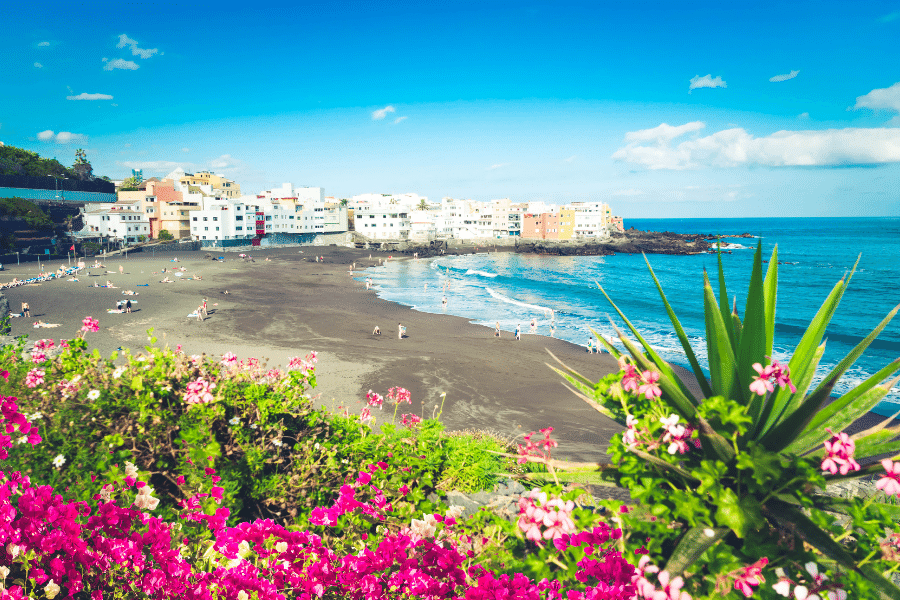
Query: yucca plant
x=750, y=465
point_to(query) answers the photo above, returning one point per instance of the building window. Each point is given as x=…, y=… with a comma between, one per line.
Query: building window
x=204, y=218
x=206, y=229
x=195, y=218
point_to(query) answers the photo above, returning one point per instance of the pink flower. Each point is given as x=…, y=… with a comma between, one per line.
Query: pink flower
x=542, y=518
x=631, y=379
x=410, y=420
x=199, y=391
x=839, y=457
x=537, y=448
x=365, y=414
x=90, y=324
x=782, y=374
x=373, y=399
x=34, y=378
x=228, y=359
x=752, y=575
x=890, y=482
x=399, y=395
x=761, y=384
x=649, y=388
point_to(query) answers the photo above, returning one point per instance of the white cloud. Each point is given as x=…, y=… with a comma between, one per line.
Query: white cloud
x=400, y=120
x=785, y=77
x=185, y=149
x=381, y=113
x=124, y=40
x=224, y=162
x=628, y=192
x=735, y=147
x=497, y=166
x=120, y=63
x=890, y=17
x=86, y=96
x=803, y=115
x=42, y=44
x=707, y=81
x=38, y=65
x=886, y=98
x=63, y=137
x=663, y=133
x=571, y=158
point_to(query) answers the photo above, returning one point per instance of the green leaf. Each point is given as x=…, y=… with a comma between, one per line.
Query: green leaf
x=693, y=544
x=682, y=337
x=719, y=350
x=661, y=463
x=854, y=354
x=804, y=355
x=137, y=384
x=741, y=515
x=770, y=293
x=844, y=506
x=845, y=410
x=753, y=335
x=723, y=302
x=661, y=365
x=792, y=517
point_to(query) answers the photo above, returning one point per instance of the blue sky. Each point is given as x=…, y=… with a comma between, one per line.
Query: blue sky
x=663, y=109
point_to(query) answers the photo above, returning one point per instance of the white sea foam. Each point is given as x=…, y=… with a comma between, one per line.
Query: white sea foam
x=481, y=273
x=509, y=300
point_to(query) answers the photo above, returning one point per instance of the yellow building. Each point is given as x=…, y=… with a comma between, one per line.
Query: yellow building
x=566, y=224
x=220, y=185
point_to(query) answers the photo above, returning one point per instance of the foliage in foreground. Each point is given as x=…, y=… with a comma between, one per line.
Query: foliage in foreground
x=731, y=484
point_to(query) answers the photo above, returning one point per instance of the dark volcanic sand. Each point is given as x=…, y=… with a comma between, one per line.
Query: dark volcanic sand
x=291, y=305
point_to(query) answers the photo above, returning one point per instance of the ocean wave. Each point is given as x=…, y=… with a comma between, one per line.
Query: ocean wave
x=509, y=300
x=481, y=273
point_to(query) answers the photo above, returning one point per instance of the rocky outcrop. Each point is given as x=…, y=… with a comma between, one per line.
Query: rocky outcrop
x=630, y=242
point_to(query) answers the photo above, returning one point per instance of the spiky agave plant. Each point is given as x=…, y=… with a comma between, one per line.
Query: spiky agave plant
x=752, y=470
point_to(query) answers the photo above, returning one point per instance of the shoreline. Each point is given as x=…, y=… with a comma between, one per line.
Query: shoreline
x=291, y=305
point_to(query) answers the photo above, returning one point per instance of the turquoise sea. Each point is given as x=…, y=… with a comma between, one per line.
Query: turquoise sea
x=514, y=289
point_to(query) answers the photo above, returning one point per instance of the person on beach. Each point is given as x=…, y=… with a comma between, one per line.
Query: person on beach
x=376, y=331
x=121, y=270
x=518, y=332
x=497, y=330
x=203, y=306
x=200, y=313
x=26, y=310
x=128, y=306
x=534, y=326
x=444, y=302
x=317, y=258
x=400, y=330
x=552, y=330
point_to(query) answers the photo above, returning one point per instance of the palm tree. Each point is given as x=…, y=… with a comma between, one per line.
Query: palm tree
x=423, y=205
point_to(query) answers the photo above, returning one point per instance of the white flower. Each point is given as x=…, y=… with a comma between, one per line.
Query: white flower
x=145, y=500
x=106, y=492
x=76, y=379
x=455, y=512
x=253, y=426
x=140, y=358
x=4, y=571
x=13, y=549
x=242, y=595
x=281, y=547
x=424, y=528
x=130, y=470
x=35, y=416
x=783, y=588
x=316, y=446
x=277, y=443
x=243, y=548
x=234, y=421
x=51, y=590
x=59, y=461
x=118, y=372
x=93, y=394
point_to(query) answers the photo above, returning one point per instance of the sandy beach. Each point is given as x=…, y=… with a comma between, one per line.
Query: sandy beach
x=290, y=305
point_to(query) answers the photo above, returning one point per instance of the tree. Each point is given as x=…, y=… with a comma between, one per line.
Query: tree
x=423, y=205
x=165, y=236
x=344, y=202
x=129, y=184
x=82, y=167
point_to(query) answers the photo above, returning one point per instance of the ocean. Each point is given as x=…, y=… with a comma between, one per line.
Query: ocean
x=515, y=288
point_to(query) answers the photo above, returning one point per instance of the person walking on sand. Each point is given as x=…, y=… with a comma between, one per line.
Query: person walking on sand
x=128, y=306
x=533, y=325
x=26, y=310
x=205, y=313
x=497, y=330
x=376, y=331
x=200, y=313
x=400, y=331
x=121, y=270
x=518, y=332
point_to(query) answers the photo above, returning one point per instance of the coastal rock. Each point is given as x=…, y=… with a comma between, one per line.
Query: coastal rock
x=630, y=242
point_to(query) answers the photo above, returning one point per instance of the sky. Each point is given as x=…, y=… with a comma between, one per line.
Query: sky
x=662, y=109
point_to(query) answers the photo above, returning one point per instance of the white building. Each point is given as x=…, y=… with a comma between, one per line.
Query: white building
x=117, y=223
x=421, y=226
x=591, y=218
